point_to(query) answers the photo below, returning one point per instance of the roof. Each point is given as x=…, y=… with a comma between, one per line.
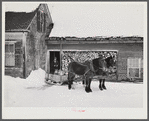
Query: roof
x=95, y=40
x=18, y=20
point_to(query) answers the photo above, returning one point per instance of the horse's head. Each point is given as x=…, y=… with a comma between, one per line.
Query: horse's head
x=99, y=64
x=111, y=64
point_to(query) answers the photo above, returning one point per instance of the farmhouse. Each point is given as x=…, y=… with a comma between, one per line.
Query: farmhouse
x=29, y=47
x=25, y=33
x=128, y=52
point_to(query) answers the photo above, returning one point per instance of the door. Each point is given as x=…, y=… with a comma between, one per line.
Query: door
x=54, y=61
x=54, y=66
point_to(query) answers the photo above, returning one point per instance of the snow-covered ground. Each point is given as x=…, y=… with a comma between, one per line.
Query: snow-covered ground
x=34, y=92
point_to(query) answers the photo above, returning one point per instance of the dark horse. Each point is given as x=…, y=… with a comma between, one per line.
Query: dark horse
x=110, y=69
x=96, y=67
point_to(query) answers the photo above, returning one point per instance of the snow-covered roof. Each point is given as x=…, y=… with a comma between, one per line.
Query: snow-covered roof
x=82, y=40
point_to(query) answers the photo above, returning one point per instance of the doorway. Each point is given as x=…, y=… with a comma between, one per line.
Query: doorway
x=54, y=54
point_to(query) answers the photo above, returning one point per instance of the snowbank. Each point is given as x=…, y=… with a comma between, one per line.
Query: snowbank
x=36, y=78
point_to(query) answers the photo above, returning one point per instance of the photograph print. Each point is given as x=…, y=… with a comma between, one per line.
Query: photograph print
x=76, y=56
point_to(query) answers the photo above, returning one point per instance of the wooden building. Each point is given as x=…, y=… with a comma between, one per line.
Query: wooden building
x=127, y=50
x=25, y=33
x=29, y=47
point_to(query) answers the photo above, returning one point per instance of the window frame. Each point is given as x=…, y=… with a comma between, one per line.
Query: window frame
x=129, y=60
x=10, y=53
x=41, y=21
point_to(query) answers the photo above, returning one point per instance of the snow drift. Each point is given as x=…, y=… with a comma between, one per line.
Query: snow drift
x=34, y=92
x=36, y=78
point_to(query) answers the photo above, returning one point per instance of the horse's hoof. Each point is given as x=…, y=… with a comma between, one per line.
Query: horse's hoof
x=100, y=88
x=87, y=90
x=69, y=86
x=104, y=87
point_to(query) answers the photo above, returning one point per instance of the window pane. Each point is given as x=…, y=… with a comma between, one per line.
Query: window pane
x=141, y=63
x=11, y=48
x=133, y=62
x=18, y=60
x=38, y=21
x=6, y=48
x=141, y=72
x=9, y=59
x=44, y=22
x=133, y=72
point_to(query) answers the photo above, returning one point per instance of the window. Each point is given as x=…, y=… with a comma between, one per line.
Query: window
x=10, y=54
x=38, y=21
x=134, y=67
x=41, y=21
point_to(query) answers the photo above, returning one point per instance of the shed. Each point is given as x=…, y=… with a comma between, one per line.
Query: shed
x=128, y=52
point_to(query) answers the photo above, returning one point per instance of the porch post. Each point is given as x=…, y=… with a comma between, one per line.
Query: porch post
x=61, y=59
x=117, y=66
x=47, y=65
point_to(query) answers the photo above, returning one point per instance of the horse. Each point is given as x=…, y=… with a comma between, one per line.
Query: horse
x=110, y=69
x=100, y=67
x=86, y=70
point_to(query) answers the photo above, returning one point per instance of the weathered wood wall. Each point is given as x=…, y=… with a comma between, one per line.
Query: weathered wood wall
x=125, y=50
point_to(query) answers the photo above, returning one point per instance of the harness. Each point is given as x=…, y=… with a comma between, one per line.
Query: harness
x=92, y=66
x=84, y=73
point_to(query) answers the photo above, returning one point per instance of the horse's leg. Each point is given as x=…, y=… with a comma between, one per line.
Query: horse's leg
x=103, y=84
x=70, y=79
x=100, y=84
x=88, y=82
x=83, y=82
x=86, y=87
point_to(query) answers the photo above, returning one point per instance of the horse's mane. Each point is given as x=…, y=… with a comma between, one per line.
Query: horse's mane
x=108, y=60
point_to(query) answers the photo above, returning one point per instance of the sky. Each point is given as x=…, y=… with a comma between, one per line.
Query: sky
x=89, y=19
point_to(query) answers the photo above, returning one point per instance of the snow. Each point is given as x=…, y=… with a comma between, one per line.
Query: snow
x=36, y=78
x=34, y=92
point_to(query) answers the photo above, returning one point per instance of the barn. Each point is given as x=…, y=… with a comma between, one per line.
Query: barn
x=25, y=33
x=127, y=50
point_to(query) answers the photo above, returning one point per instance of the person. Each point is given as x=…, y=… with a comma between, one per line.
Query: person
x=54, y=66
